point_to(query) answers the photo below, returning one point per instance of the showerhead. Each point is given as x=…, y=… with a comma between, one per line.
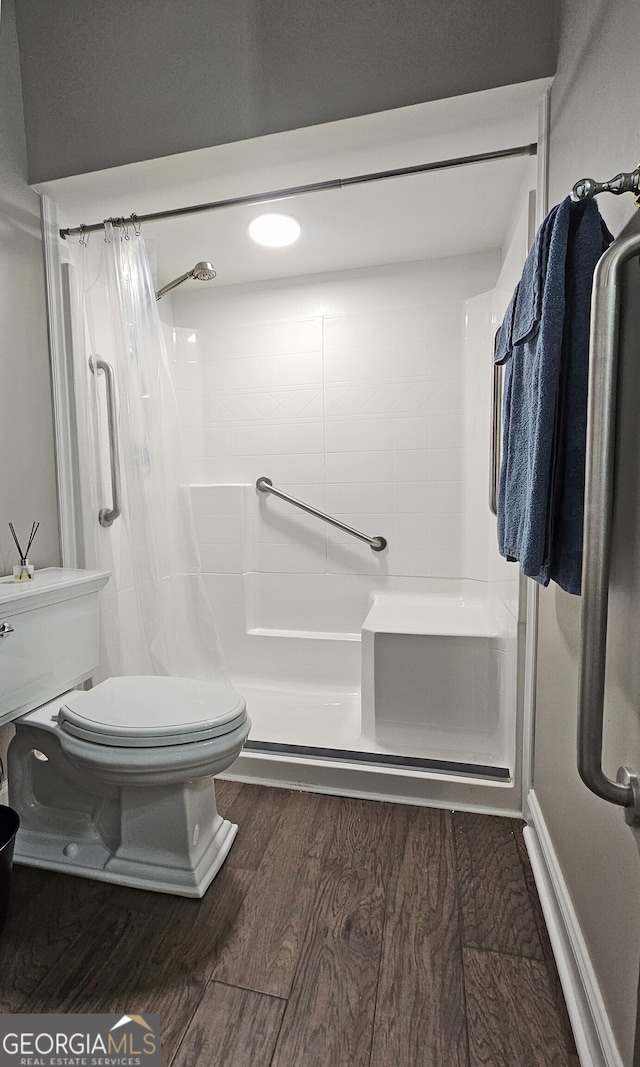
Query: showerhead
x=202, y=272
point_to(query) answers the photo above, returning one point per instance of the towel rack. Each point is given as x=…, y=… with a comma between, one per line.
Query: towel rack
x=625, y=182
x=495, y=428
x=598, y=506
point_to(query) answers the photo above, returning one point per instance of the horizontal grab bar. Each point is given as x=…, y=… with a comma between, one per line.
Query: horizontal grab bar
x=265, y=485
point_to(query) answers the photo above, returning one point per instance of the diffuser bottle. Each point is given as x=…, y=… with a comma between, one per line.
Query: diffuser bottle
x=23, y=571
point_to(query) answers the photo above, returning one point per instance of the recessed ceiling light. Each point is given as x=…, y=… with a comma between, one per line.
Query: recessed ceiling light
x=275, y=231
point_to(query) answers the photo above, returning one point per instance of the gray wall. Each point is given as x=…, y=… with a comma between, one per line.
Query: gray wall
x=112, y=83
x=27, y=472
x=594, y=129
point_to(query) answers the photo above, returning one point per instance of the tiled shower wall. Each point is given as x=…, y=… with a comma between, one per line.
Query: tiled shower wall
x=365, y=394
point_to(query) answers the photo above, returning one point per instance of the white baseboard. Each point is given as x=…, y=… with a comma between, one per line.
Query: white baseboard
x=594, y=1037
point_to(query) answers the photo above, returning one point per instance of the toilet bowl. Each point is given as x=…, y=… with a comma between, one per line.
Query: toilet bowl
x=114, y=782
x=142, y=730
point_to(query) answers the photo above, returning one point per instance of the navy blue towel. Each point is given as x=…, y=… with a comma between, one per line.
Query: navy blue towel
x=544, y=344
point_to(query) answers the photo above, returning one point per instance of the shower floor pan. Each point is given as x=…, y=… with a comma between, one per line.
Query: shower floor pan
x=437, y=738
x=316, y=725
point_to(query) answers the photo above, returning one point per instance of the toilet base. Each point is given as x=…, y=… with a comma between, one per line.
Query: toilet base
x=168, y=838
x=93, y=860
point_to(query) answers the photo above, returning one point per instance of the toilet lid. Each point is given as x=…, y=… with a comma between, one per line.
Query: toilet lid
x=138, y=711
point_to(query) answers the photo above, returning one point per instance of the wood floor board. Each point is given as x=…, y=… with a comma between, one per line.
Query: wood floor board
x=131, y=963
x=231, y=1028
x=511, y=1012
x=262, y=952
x=496, y=907
x=420, y=1010
x=26, y=882
x=226, y=792
x=399, y=936
x=330, y=1011
x=194, y=931
x=257, y=810
x=160, y=962
x=45, y=930
x=545, y=943
x=227, y=886
x=200, y=932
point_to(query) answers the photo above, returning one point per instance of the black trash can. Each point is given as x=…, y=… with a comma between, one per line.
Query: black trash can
x=9, y=823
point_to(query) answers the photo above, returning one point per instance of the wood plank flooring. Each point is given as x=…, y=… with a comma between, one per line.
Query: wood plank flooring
x=339, y=933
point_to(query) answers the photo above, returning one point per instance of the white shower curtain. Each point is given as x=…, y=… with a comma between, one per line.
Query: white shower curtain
x=156, y=616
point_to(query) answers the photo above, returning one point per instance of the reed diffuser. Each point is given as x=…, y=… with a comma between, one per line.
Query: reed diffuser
x=24, y=571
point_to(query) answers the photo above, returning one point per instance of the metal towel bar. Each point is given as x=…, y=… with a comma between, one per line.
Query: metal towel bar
x=601, y=422
x=107, y=516
x=495, y=430
x=265, y=485
x=626, y=182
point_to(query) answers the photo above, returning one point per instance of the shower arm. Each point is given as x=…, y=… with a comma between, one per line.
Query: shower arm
x=265, y=485
x=173, y=285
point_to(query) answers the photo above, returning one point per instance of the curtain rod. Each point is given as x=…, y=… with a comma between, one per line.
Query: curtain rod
x=283, y=194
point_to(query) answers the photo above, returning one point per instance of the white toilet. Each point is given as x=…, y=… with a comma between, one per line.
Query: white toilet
x=114, y=782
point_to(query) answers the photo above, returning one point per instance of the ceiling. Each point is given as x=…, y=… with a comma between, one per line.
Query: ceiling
x=439, y=214
x=393, y=221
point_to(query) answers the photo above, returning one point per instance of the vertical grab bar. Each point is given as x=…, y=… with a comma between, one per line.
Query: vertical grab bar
x=601, y=422
x=107, y=516
x=496, y=425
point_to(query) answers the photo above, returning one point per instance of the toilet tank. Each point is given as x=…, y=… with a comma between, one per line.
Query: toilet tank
x=48, y=636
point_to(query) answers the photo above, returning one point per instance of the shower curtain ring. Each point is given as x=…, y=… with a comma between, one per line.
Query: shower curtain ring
x=136, y=224
x=84, y=236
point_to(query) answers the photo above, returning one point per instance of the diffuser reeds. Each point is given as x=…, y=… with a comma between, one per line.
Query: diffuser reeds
x=24, y=571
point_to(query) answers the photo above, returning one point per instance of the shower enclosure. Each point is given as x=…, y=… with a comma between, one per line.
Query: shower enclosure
x=359, y=383
x=401, y=661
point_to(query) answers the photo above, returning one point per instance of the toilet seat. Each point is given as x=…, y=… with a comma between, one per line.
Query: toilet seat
x=151, y=711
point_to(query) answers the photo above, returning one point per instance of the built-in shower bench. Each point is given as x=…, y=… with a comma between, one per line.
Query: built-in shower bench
x=431, y=675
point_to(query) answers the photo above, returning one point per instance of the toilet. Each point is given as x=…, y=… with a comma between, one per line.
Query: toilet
x=114, y=782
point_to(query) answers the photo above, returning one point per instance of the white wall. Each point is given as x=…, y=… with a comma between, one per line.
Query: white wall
x=594, y=132
x=365, y=393
x=351, y=392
